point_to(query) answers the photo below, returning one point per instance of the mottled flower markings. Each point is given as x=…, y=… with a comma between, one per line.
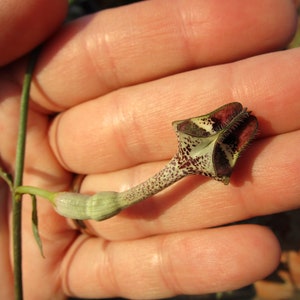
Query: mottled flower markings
x=209, y=145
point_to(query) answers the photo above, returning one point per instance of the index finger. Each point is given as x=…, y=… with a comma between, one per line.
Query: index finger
x=152, y=39
x=133, y=125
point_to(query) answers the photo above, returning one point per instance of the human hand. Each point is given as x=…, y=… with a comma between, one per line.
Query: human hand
x=117, y=80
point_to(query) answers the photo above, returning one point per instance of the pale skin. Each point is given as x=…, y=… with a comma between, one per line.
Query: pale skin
x=117, y=80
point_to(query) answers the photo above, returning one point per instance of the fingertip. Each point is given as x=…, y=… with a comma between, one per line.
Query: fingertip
x=287, y=17
x=222, y=259
x=268, y=255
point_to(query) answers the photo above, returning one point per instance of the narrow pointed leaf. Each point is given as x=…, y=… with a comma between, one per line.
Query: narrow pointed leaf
x=35, y=229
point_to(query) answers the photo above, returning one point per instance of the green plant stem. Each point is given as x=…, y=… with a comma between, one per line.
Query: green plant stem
x=32, y=190
x=18, y=178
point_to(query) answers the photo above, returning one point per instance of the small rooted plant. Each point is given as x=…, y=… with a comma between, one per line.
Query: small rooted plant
x=209, y=145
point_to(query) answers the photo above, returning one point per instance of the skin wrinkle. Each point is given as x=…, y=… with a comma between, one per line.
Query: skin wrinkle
x=115, y=269
x=67, y=263
x=127, y=122
x=122, y=40
x=169, y=272
x=120, y=123
x=158, y=273
x=55, y=146
x=165, y=266
x=184, y=28
x=113, y=64
x=176, y=268
x=111, y=286
x=160, y=30
x=248, y=209
x=191, y=31
x=155, y=263
x=102, y=43
x=76, y=249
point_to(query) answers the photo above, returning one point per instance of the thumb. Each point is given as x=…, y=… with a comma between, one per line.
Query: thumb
x=25, y=24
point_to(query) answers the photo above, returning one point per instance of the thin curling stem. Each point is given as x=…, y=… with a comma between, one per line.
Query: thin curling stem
x=32, y=190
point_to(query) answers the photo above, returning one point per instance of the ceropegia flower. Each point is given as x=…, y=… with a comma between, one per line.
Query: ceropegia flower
x=209, y=145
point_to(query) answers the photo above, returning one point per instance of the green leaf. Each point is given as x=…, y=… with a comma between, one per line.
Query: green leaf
x=34, y=218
